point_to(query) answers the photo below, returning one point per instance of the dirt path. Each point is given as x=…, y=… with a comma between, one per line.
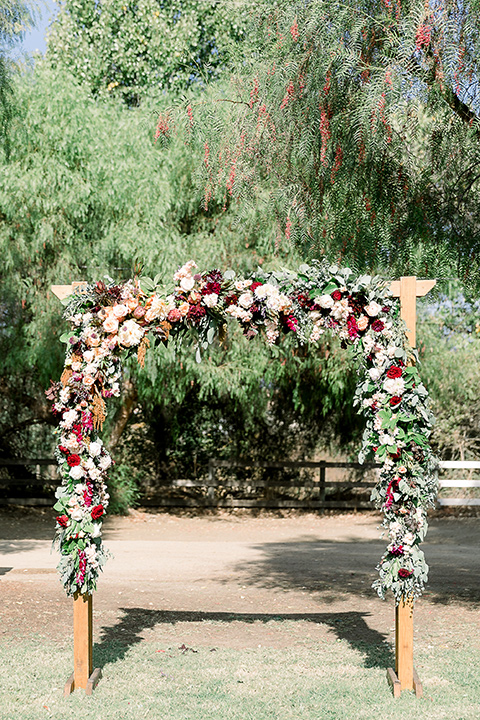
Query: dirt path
x=220, y=579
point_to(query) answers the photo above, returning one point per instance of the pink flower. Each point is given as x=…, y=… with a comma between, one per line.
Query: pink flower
x=174, y=315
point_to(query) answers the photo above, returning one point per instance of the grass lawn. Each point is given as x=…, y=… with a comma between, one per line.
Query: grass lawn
x=326, y=681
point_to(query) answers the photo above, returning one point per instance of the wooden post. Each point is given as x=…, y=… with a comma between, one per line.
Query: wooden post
x=83, y=676
x=405, y=677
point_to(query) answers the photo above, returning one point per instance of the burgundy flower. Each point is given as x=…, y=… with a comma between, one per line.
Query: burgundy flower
x=352, y=327
x=211, y=288
x=386, y=309
x=231, y=300
x=404, y=573
x=336, y=295
x=397, y=550
x=73, y=460
x=395, y=400
x=378, y=325
x=196, y=313
x=394, y=372
x=304, y=301
x=213, y=276
x=62, y=520
x=97, y=512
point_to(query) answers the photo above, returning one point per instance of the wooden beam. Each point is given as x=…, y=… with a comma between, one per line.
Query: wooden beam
x=63, y=291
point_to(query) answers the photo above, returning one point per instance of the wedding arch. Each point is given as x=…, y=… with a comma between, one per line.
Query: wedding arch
x=109, y=321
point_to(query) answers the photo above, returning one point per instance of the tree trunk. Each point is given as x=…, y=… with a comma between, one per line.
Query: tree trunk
x=129, y=399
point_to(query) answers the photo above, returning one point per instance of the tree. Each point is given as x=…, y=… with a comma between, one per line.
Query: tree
x=363, y=119
x=76, y=203
x=129, y=49
x=15, y=17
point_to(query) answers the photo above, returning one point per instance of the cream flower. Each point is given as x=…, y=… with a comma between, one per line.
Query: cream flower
x=130, y=333
x=76, y=472
x=120, y=311
x=110, y=324
x=210, y=300
x=95, y=449
x=394, y=386
x=373, y=309
x=158, y=309
x=187, y=283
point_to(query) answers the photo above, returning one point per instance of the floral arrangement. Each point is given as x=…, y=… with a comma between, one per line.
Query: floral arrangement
x=109, y=320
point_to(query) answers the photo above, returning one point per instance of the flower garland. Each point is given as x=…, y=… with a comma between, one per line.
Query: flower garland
x=109, y=320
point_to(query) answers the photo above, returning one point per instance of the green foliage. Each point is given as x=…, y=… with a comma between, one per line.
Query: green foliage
x=123, y=488
x=363, y=118
x=127, y=49
x=448, y=328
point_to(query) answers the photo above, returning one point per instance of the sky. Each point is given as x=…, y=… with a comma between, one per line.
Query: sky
x=35, y=39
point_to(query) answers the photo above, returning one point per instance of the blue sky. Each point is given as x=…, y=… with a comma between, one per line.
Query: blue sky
x=35, y=39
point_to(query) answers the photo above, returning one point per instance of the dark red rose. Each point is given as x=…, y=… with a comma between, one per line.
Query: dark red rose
x=394, y=372
x=63, y=449
x=196, y=313
x=404, y=573
x=211, y=288
x=386, y=309
x=97, y=512
x=395, y=400
x=336, y=295
x=231, y=300
x=73, y=460
x=62, y=520
x=378, y=325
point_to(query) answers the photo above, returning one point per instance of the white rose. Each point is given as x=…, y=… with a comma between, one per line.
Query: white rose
x=77, y=514
x=374, y=373
x=394, y=386
x=408, y=538
x=325, y=301
x=97, y=530
x=373, y=309
x=76, y=472
x=210, y=300
x=245, y=300
x=187, y=283
x=95, y=449
x=68, y=418
x=105, y=462
x=88, y=356
x=130, y=333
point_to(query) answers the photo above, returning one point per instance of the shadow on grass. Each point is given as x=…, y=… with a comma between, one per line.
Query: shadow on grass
x=348, y=566
x=349, y=626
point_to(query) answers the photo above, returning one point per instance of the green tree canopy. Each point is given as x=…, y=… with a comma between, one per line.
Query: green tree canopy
x=125, y=48
x=363, y=119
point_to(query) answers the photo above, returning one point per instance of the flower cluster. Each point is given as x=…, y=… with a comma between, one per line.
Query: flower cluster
x=108, y=321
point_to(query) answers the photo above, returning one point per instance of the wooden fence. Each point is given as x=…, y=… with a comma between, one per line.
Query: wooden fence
x=322, y=490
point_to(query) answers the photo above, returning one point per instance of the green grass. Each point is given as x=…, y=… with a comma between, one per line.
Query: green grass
x=326, y=681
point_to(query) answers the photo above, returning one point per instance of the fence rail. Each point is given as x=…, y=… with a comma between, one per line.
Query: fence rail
x=318, y=488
